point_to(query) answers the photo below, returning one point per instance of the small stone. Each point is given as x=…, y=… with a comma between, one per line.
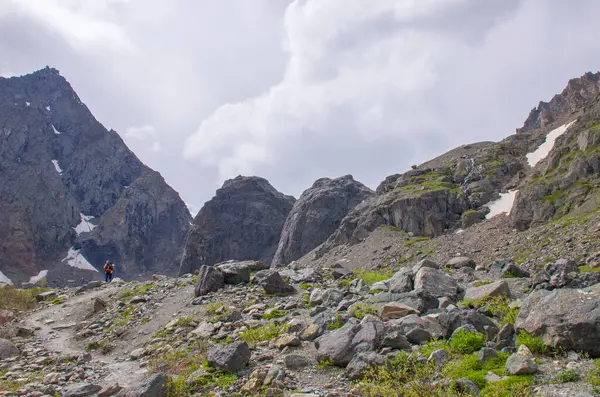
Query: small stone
x=286, y=340
x=519, y=365
x=439, y=357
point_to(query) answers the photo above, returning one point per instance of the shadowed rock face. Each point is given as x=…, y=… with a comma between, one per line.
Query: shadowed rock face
x=45, y=128
x=316, y=215
x=243, y=221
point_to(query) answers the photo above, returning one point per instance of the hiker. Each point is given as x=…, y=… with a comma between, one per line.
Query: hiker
x=109, y=268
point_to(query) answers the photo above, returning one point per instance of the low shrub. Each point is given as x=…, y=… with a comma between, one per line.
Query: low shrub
x=465, y=342
x=263, y=333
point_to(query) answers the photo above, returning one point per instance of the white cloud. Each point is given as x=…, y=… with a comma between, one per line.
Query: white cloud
x=371, y=88
x=143, y=132
x=81, y=24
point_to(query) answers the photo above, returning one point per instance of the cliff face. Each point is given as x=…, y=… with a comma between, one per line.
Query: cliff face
x=317, y=214
x=243, y=221
x=62, y=174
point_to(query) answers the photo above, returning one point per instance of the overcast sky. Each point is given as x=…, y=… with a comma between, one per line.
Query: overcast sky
x=297, y=90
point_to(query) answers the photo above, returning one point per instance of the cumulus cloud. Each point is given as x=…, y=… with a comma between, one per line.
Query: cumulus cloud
x=371, y=88
x=294, y=90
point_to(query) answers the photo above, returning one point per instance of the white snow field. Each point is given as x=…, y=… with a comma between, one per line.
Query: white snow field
x=85, y=225
x=544, y=149
x=503, y=205
x=36, y=279
x=75, y=259
x=57, y=167
x=4, y=279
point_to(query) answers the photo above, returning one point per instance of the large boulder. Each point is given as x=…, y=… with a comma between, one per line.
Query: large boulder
x=567, y=318
x=236, y=272
x=210, y=279
x=316, y=215
x=7, y=349
x=229, y=358
x=436, y=283
x=273, y=283
x=243, y=221
x=81, y=390
x=498, y=288
x=341, y=345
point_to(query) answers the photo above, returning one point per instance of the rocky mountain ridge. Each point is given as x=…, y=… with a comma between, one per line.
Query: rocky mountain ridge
x=74, y=195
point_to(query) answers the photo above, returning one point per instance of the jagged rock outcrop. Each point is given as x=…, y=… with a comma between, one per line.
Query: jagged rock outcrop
x=567, y=177
x=317, y=214
x=69, y=187
x=425, y=204
x=243, y=221
x=574, y=96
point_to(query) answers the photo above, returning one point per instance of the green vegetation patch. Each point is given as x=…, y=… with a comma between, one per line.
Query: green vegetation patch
x=497, y=306
x=127, y=294
x=263, y=333
x=371, y=277
x=19, y=299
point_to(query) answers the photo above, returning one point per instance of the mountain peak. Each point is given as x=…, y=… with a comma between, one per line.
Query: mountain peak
x=571, y=99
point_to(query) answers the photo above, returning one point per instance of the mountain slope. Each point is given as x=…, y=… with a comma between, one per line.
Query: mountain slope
x=60, y=165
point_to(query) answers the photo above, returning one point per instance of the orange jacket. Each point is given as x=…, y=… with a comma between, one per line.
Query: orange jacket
x=108, y=268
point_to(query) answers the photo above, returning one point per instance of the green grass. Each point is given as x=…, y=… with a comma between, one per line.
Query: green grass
x=325, y=364
x=306, y=286
x=263, y=333
x=589, y=269
x=59, y=300
x=127, y=294
x=337, y=322
x=274, y=313
x=415, y=240
x=534, y=343
x=465, y=342
x=185, y=322
x=471, y=368
x=567, y=376
x=19, y=299
x=497, y=306
x=592, y=378
x=360, y=310
x=371, y=277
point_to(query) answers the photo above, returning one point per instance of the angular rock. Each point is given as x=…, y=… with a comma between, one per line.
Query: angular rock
x=210, y=279
x=395, y=339
x=464, y=385
x=362, y=362
x=337, y=345
x=396, y=310
x=45, y=296
x=110, y=390
x=418, y=336
x=505, y=337
x=286, y=340
x=313, y=331
x=7, y=349
x=316, y=296
x=81, y=390
x=498, y=288
x=332, y=297
x=500, y=269
x=272, y=283
x=566, y=318
x=155, y=386
x=229, y=358
x=519, y=365
x=401, y=284
x=235, y=272
x=316, y=215
x=439, y=357
x=295, y=361
x=436, y=283
x=461, y=261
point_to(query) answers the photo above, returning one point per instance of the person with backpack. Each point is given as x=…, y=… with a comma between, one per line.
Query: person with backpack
x=109, y=268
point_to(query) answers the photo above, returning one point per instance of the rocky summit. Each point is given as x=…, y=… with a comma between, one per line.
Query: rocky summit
x=243, y=221
x=476, y=273
x=72, y=195
x=316, y=215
